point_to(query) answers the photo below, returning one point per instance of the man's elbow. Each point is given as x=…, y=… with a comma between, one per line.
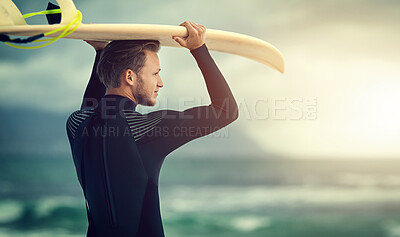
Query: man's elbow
x=235, y=113
x=232, y=112
x=229, y=112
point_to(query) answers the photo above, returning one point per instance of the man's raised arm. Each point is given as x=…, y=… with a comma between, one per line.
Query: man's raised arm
x=95, y=89
x=217, y=87
x=169, y=129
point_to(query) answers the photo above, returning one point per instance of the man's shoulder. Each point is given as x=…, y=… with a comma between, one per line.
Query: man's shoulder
x=163, y=113
x=80, y=115
x=83, y=112
x=129, y=113
x=141, y=124
x=76, y=118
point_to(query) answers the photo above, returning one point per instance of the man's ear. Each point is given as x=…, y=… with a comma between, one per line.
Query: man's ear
x=129, y=77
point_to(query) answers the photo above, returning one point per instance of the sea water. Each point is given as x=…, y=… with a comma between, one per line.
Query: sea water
x=40, y=196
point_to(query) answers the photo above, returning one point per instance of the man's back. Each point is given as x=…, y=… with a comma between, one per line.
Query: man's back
x=122, y=198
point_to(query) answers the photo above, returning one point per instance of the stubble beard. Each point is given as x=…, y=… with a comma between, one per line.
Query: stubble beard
x=142, y=97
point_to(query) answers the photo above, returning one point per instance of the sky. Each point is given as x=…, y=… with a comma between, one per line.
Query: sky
x=339, y=96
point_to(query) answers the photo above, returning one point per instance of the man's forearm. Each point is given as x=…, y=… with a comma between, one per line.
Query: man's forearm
x=218, y=89
x=95, y=89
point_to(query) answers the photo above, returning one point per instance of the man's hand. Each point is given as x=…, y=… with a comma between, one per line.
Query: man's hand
x=196, y=36
x=97, y=45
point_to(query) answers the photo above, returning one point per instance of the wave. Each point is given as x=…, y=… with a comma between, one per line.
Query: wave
x=234, y=198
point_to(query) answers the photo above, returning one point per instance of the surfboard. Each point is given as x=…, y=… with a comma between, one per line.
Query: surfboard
x=12, y=23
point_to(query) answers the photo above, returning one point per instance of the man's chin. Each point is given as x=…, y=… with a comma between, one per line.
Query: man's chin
x=148, y=103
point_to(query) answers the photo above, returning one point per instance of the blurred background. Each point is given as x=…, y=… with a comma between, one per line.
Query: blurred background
x=315, y=151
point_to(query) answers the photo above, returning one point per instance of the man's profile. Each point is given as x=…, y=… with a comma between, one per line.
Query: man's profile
x=117, y=151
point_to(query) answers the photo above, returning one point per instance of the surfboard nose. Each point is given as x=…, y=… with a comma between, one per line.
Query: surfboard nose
x=246, y=46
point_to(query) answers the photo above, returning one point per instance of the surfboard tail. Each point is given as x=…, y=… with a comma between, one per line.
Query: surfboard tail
x=65, y=17
x=10, y=15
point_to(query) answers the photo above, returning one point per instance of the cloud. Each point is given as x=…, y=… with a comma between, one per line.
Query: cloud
x=51, y=80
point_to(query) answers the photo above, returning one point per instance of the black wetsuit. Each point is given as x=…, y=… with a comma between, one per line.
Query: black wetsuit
x=118, y=152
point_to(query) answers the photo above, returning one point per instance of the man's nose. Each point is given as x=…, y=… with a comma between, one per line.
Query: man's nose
x=160, y=82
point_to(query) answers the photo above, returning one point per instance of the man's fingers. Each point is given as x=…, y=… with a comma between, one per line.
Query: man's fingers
x=179, y=40
x=199, y=26
x=200, y=29
x=195, y=38
x=189, y=27
x=193, y=27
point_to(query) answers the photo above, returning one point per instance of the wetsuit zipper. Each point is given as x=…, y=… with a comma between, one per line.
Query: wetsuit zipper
x=111, y=207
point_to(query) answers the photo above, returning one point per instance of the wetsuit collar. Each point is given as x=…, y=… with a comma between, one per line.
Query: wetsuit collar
x=121, y=102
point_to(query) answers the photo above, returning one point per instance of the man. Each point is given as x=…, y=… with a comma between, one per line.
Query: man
x=118, y=152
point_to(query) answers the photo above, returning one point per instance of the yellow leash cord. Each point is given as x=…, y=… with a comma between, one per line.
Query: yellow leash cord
x=67, y=29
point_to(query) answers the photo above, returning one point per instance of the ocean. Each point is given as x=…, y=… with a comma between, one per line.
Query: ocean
x=40, y=196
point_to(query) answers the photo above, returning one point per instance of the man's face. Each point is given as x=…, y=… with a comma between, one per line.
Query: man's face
x=148, y=80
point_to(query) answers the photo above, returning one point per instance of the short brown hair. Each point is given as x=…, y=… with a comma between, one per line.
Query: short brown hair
x=120, y=55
